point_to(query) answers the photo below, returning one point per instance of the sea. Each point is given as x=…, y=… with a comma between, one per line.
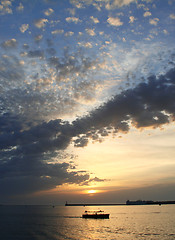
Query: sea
x=148, y=222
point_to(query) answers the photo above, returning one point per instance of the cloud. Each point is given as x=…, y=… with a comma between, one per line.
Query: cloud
x=109, y=4
x=73, y=65
x=95, y=20
x=24, y=27
x=56, y=87
x=85, y=44
x=73, y=19
x=114, y=21
x=69, y=34
x=81, y=142
x=172, y=16
x=51, y=51
x=150, y=104
x=131, y=19
x=36, y=54
x=118, y=3
x=24, y=167
x=71, y=11
x=11, y=73
x=91, y=32
x=25, y=46
x=77, y=3
x=165, y=31
x=40, y=23
x=57, y=31
x=154, y=21
x=9, y=44
x=30, y=153
x=147, y=14
x=5, y=7
x=30, y=176
x=20, y=8
x=49, y=11
x=38, y=38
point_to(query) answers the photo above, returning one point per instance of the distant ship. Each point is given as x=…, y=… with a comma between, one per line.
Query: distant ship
x=148, y=202
x=95, y=214
x=139, y=202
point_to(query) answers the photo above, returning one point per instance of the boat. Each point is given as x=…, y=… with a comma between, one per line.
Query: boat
x=95, y=214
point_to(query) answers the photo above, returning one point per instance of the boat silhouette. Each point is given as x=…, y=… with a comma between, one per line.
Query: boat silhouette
x=95, y=214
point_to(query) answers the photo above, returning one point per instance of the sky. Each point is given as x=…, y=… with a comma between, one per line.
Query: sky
x=87, y=101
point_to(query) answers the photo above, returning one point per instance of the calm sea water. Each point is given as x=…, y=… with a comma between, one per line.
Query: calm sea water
x=60, y=222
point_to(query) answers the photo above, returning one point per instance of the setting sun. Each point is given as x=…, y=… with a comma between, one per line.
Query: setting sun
x=91, y=191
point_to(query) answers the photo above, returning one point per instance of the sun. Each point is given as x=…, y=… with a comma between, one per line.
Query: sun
x=91, y=191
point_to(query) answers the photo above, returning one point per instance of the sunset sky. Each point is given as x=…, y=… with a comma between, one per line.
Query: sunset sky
x=87, y=103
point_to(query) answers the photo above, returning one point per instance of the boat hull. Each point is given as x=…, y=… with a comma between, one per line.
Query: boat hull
x=96, y=216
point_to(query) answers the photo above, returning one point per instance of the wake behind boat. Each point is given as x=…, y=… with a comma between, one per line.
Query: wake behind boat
x=95, y=214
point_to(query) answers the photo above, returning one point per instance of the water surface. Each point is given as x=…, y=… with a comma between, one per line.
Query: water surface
x=60, y=222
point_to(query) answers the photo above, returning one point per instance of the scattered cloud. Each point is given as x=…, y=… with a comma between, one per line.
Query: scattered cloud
x=12, y=43
x=69, y=34
x=154, y=21
x=172, y=16
x=71, y=11
x=38, y=38
x=85, y=44
x=165, y=31
x=118, y=3
x=25, y=46
x=95, y=20
x=131, y=19
x=20, y=8
x=57, y=31
x=40, y=23
x=49, y=11
x=109, y=4
x=73, y=19
x=114, y=21
x=147, y=14
x=91, y=32
x=77, y=3
x=124, y=39
x=24, y=27
x=5, y=7
x=36, y=54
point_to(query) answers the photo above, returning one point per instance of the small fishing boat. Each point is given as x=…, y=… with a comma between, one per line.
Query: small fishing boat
x=95, y=214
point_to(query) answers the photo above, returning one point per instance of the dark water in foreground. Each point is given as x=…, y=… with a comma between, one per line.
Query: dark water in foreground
x=126, y=222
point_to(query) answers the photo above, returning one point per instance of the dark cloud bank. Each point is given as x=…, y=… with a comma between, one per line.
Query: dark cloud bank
x=24, y=154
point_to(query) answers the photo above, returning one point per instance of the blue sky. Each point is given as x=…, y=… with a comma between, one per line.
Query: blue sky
x=79, y=79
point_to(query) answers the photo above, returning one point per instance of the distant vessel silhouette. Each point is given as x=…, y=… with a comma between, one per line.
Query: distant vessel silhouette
x=95, y=214
x=148, y=202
